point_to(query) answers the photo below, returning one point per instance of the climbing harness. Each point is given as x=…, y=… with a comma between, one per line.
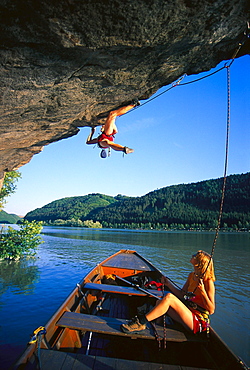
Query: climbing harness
x=105, y=152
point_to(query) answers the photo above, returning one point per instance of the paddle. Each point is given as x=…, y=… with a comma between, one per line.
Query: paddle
x=136, y=286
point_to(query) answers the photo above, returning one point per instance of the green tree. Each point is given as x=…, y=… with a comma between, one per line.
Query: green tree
x=9, y=186
x=92, y=224
x=17, y=243
x=23, y=242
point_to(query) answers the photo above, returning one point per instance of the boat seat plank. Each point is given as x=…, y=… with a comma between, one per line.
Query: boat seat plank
x=111, y=326
x=57, y=360
x=119, y=289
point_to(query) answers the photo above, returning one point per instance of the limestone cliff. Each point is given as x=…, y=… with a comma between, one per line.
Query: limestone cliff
x=65, y=63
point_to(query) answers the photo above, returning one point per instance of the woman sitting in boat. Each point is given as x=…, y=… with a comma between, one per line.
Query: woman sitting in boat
x=191, y=305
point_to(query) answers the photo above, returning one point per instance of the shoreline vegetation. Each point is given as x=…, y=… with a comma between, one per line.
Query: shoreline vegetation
x=148, y=226
x=21, y=242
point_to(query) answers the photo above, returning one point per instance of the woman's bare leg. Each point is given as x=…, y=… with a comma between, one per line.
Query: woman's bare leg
x=171, y=305
x=123, y=110
x=111, y=145
x=110, y=126
x=114, y=146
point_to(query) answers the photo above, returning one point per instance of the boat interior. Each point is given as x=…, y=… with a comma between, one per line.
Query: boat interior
x=88, y=324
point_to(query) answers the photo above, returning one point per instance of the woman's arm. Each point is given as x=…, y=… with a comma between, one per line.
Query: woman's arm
x=177, y=292
x=89, y=138
x=207, y=292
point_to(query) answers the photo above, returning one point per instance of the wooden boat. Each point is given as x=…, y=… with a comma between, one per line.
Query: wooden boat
x=84, y=333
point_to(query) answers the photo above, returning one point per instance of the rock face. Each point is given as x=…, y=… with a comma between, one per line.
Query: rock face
x=65, y=63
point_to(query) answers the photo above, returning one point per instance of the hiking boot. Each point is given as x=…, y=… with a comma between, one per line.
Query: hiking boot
x=133, y=326
x=127, y=150
x=136, y=102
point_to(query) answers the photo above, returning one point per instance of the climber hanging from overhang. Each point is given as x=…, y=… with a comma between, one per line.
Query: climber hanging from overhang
x=109, y=129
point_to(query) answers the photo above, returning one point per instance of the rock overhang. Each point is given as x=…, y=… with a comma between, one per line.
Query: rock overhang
x=65, y=64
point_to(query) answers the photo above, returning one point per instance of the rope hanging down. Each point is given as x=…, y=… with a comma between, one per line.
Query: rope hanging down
x=224, y=181
x=246, y=35
x=227, y=66
x=225, y=172
x=226, y=162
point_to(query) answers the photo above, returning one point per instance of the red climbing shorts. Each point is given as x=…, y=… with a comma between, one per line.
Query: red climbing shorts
x=200, y=324
x=104, y=136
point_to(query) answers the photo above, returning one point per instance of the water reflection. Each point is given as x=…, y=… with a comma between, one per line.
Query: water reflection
x=134, y=237
x=19, y=276
x=152, y=238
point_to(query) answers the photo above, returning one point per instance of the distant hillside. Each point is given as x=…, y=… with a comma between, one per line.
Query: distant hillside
x=185, y=205
x=68, y=208
x=6, y=218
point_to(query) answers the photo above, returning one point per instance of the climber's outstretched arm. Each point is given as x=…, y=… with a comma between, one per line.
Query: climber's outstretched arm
x=89, y=138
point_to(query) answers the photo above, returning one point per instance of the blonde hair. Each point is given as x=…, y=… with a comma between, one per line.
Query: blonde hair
x=205, y=265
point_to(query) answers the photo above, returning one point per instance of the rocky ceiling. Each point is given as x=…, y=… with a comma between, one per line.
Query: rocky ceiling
x=65, y=63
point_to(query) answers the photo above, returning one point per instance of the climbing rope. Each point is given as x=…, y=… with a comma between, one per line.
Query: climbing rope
x=225, y=171
x=227, y=66
x=245, y=36
x=157, y=337
x=174, y=84
x=37, y=337
x=164, y=324
x=224, y=178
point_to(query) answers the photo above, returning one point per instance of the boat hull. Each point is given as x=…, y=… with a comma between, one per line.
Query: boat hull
x=87, y=325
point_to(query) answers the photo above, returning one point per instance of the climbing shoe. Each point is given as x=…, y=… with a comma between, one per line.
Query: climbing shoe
x=127, y=150
x=136, y=102
x=133, y=326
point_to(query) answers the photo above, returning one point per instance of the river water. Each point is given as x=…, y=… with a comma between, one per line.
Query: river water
x=31, y=290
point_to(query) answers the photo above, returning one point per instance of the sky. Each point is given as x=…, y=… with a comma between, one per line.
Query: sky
x=178, y=138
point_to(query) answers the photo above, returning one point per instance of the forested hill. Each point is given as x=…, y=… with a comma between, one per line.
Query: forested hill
x=185, y=205
x=73, y=207
x=7, y=218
